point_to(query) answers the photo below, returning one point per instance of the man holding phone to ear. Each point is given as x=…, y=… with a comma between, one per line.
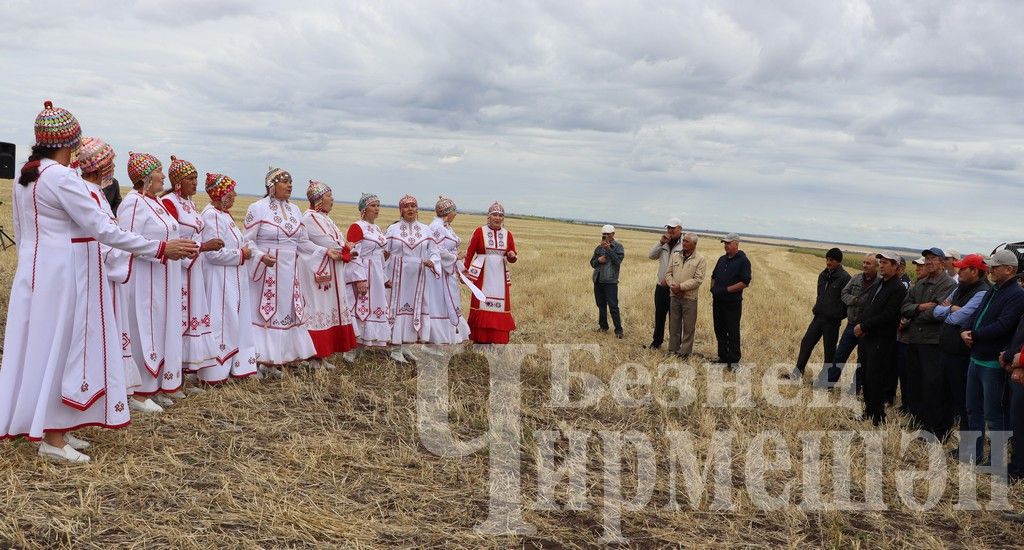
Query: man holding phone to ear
x=606, y=260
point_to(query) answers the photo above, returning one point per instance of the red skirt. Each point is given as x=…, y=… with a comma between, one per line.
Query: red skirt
x=337, y=339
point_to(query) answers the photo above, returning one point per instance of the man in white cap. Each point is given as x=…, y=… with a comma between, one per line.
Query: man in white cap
x=876, y=329
x=952, y=256
x=606, y=260
x=669, y=243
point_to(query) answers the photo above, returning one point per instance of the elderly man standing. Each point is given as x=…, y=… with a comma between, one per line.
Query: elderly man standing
x=828, y=312
x=685, y=274
x=606, y=260
x=921, y=330
x=731, y=275
x=877, y=330
x=854, y=295
x=670, y=243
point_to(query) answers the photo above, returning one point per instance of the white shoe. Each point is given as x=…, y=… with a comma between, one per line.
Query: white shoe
x=194, y=390
x=398, y=357
x=66, y=454
x=177, y=395
x=163, y=400
x=409, y=354
x=76, y=444
x=349, y=357
x=147, y=406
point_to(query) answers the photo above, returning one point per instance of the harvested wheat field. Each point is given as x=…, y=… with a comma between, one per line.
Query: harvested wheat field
x=334, y=458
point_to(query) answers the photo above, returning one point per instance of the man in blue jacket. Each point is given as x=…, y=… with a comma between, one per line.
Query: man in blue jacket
x=730, y=277
x=991, y=329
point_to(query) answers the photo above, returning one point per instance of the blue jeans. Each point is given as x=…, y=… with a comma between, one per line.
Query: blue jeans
x=985, y=411
x=847, y=344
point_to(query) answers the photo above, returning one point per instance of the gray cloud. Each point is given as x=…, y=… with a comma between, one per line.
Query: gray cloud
x=813, y=119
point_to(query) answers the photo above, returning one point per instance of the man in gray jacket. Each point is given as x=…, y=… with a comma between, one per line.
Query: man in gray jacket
x=921, y=329
x=855, y=295
x=670, y=243
x=606, y=260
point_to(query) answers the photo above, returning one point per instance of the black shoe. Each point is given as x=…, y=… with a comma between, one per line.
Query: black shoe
x=618, y=334
x=600, y=329
x=795, y=374
x=652, y=345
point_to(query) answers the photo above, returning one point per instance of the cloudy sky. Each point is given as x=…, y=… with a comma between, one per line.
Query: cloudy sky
x=885, y=122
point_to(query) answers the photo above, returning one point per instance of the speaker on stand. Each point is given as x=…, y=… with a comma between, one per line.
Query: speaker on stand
x=7, y=151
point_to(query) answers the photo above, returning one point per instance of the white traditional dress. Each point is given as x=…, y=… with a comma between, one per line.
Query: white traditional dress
x=328, y=317
x=409, y=245
x=197, y=328
x=447, y=325
x=490, y=322
x=369, y=312
x=118, y=264
x=227, y=285
x=154, y=298
x=275, y=226
x=54, y=377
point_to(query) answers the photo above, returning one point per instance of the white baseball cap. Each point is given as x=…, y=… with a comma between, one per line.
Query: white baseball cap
x=608, y=229
x=674, y=222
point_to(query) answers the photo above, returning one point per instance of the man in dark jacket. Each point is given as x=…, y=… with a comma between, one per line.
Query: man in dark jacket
x=921, y=330
x=1013, y=362
x=943, y=404
x=877, y=331
x=606, y=260
x=991, y=329
x=828, y=311
x=112, y=191
x=731, y=275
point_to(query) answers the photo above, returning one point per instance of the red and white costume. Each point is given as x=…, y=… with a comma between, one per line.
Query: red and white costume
x=279, y=330
x=227, y=284
x=370, y=311
x=328, y=317
x=490, y=321
x=153, y=298
x=54, y=377
x=197, y=323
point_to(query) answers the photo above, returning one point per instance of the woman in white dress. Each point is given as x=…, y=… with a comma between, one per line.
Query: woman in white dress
x=365, y=275
x=227, y=284
x=274, y=225
x=328, y=317
x=412, y=259
x=56, y=378
x=447, y=325
x=96, y=162
x=197, y=327
x=154, y=289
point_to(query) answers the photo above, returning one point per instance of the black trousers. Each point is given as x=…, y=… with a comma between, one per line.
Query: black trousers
x=878, y=359
x=953, y=395
x=607, y=297
x=820, y=327
x=662, y=303
x=726, y=317
x=935, y=409
x=912, y=378
x=1015, y=417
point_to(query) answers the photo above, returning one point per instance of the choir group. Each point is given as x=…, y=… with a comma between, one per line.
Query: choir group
x=116, y=313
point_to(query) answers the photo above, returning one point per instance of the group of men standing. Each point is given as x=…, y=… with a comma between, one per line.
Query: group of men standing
x=950, y=342
x=681, y=272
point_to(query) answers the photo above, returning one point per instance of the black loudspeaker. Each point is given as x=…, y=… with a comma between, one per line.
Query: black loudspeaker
x=6, y=161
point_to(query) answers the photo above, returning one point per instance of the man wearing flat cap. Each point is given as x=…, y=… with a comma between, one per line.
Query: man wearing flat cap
x=670, y=243
x=828, y=313
x=731, y=275
x=989, y=333
x=921, y=329
x=877, y=332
